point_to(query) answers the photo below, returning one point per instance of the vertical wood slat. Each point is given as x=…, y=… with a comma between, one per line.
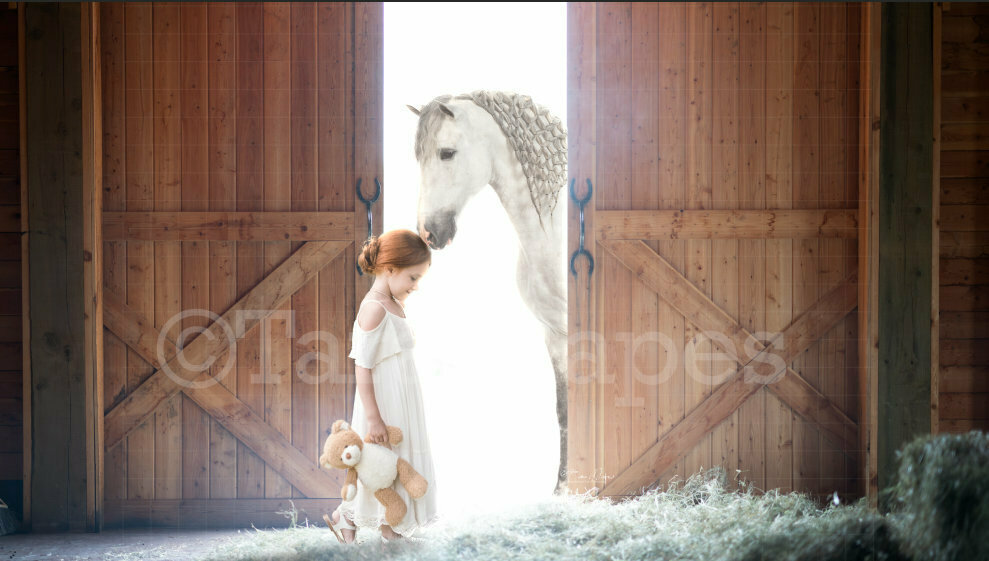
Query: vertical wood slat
x=302, y=377
x=167, y=45
x=25, y=247
x=275, y=346
x=832, y=194
x=698, y=364
x=724, y=174
x=806, y=182
x=639, y=401
x=251, y=104
x=139, y=132
x=614, y=115
x=222, y=195
x=114, y=253
x=194, y=102
x=779, y=253
x=334, y=175
x=673, y=191
x=583, y=420
x=751, y=194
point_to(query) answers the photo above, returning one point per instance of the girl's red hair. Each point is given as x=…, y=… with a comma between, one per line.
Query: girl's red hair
x=394, y=248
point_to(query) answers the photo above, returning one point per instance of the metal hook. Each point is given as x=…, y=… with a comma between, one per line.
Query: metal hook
x=580, y=248
x=368, y=203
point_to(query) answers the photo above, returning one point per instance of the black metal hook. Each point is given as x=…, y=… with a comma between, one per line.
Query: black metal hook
x=580, y=248
x=368, y=203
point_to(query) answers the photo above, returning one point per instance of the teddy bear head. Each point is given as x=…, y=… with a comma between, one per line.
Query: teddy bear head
x=342, y=448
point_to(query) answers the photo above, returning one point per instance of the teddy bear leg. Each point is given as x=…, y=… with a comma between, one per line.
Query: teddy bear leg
x=414, y=483
x=394, y=505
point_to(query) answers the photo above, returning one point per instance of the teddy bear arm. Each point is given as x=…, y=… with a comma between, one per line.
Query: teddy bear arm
x=394, y=435
x=411, y=479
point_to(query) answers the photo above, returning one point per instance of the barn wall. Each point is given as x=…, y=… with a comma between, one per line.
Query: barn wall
x=724, y=106
x=964, y=218
x=11, y=374
x=248, y=108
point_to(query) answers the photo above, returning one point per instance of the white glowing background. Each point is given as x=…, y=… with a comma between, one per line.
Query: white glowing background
x=487, y=380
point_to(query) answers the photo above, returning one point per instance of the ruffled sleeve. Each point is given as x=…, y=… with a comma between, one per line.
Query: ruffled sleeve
x=371, y=347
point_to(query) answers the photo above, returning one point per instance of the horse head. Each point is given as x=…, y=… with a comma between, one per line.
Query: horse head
x=455, y=164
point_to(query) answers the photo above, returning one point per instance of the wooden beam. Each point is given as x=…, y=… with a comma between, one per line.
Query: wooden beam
x=92, y=257
x=221, y=404
x=726, y=224
x=228, y=226
x=810, y=326
x=263, y=299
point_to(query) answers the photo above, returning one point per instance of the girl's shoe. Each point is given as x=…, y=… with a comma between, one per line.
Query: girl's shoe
x=342, y=525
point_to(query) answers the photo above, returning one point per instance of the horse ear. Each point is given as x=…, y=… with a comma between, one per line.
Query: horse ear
x=414, y=110
x=446, y=109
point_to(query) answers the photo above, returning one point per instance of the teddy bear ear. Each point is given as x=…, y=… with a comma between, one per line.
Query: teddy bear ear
x=339, y=426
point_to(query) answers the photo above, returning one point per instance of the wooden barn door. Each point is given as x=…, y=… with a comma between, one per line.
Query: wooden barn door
x=234, y=137
x=721, y=141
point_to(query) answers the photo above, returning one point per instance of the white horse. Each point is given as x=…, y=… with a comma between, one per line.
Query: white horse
x=504, y=140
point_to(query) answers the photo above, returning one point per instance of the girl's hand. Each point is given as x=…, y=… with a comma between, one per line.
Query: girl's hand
x=376, y=432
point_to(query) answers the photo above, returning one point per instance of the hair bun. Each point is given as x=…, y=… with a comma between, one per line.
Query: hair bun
x=369, y=255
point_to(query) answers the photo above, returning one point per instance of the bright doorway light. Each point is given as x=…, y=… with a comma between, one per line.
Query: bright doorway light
x=487, y=380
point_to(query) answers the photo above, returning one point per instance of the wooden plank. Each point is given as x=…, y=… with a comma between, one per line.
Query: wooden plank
x=229, y=411
x=971, y=245
x=276, y=350
x=963, y=271
x=963, y=109
x=727, y=224
x=964, y=325
x=194, y=437
x=672, y=186
x=965, y=191
x=304, y=391
x=964, y=425
x=139, y=165
x=905, y=201
x=211, y=514
x=724, y=116
x=965, y=218
x=639, y=402
x=806, y=329
x=806, y=194
x=964, y=29
x=113, y=40
x=834, y=173
x=966, y=83
x=270, y=293
x=964, y=136
x=752, y=252
x=616, y=112
x=779, y=252
x=168, y=162
x=228, y=226
x=959, y=406
x=964, y=352
x=582, y=361
x=222, y=72
x=964, y=379
x=251, y=151
x=705, y=264
x=964, y=163
x=967, y=56
x=964, y=298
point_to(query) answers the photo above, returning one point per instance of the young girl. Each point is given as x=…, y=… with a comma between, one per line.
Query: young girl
x=388, y=392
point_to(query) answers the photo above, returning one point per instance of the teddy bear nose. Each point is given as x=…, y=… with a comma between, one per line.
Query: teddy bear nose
x=348, y=455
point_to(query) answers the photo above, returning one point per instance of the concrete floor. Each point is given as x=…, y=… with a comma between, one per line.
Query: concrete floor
x=121, y=545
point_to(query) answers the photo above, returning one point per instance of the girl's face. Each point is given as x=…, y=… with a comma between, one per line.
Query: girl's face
x=402, y=282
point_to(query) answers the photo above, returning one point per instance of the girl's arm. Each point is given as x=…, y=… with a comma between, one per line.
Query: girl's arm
x=376, y=431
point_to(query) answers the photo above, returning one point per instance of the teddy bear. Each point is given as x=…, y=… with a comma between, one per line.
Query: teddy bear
x=376, y=466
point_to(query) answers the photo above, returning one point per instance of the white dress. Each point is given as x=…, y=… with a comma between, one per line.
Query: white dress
x=387, y=351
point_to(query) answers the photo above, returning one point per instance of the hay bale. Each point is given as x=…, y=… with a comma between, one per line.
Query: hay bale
x=939, y=501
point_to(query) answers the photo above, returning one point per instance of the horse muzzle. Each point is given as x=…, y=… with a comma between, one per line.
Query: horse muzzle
x=439, y=229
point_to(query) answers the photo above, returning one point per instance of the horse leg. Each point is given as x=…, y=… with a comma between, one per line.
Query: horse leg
x=556, y=344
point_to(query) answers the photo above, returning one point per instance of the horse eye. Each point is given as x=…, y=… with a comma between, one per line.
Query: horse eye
x=447, y=153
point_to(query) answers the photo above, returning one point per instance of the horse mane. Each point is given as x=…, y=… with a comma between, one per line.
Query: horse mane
x=536, y=135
